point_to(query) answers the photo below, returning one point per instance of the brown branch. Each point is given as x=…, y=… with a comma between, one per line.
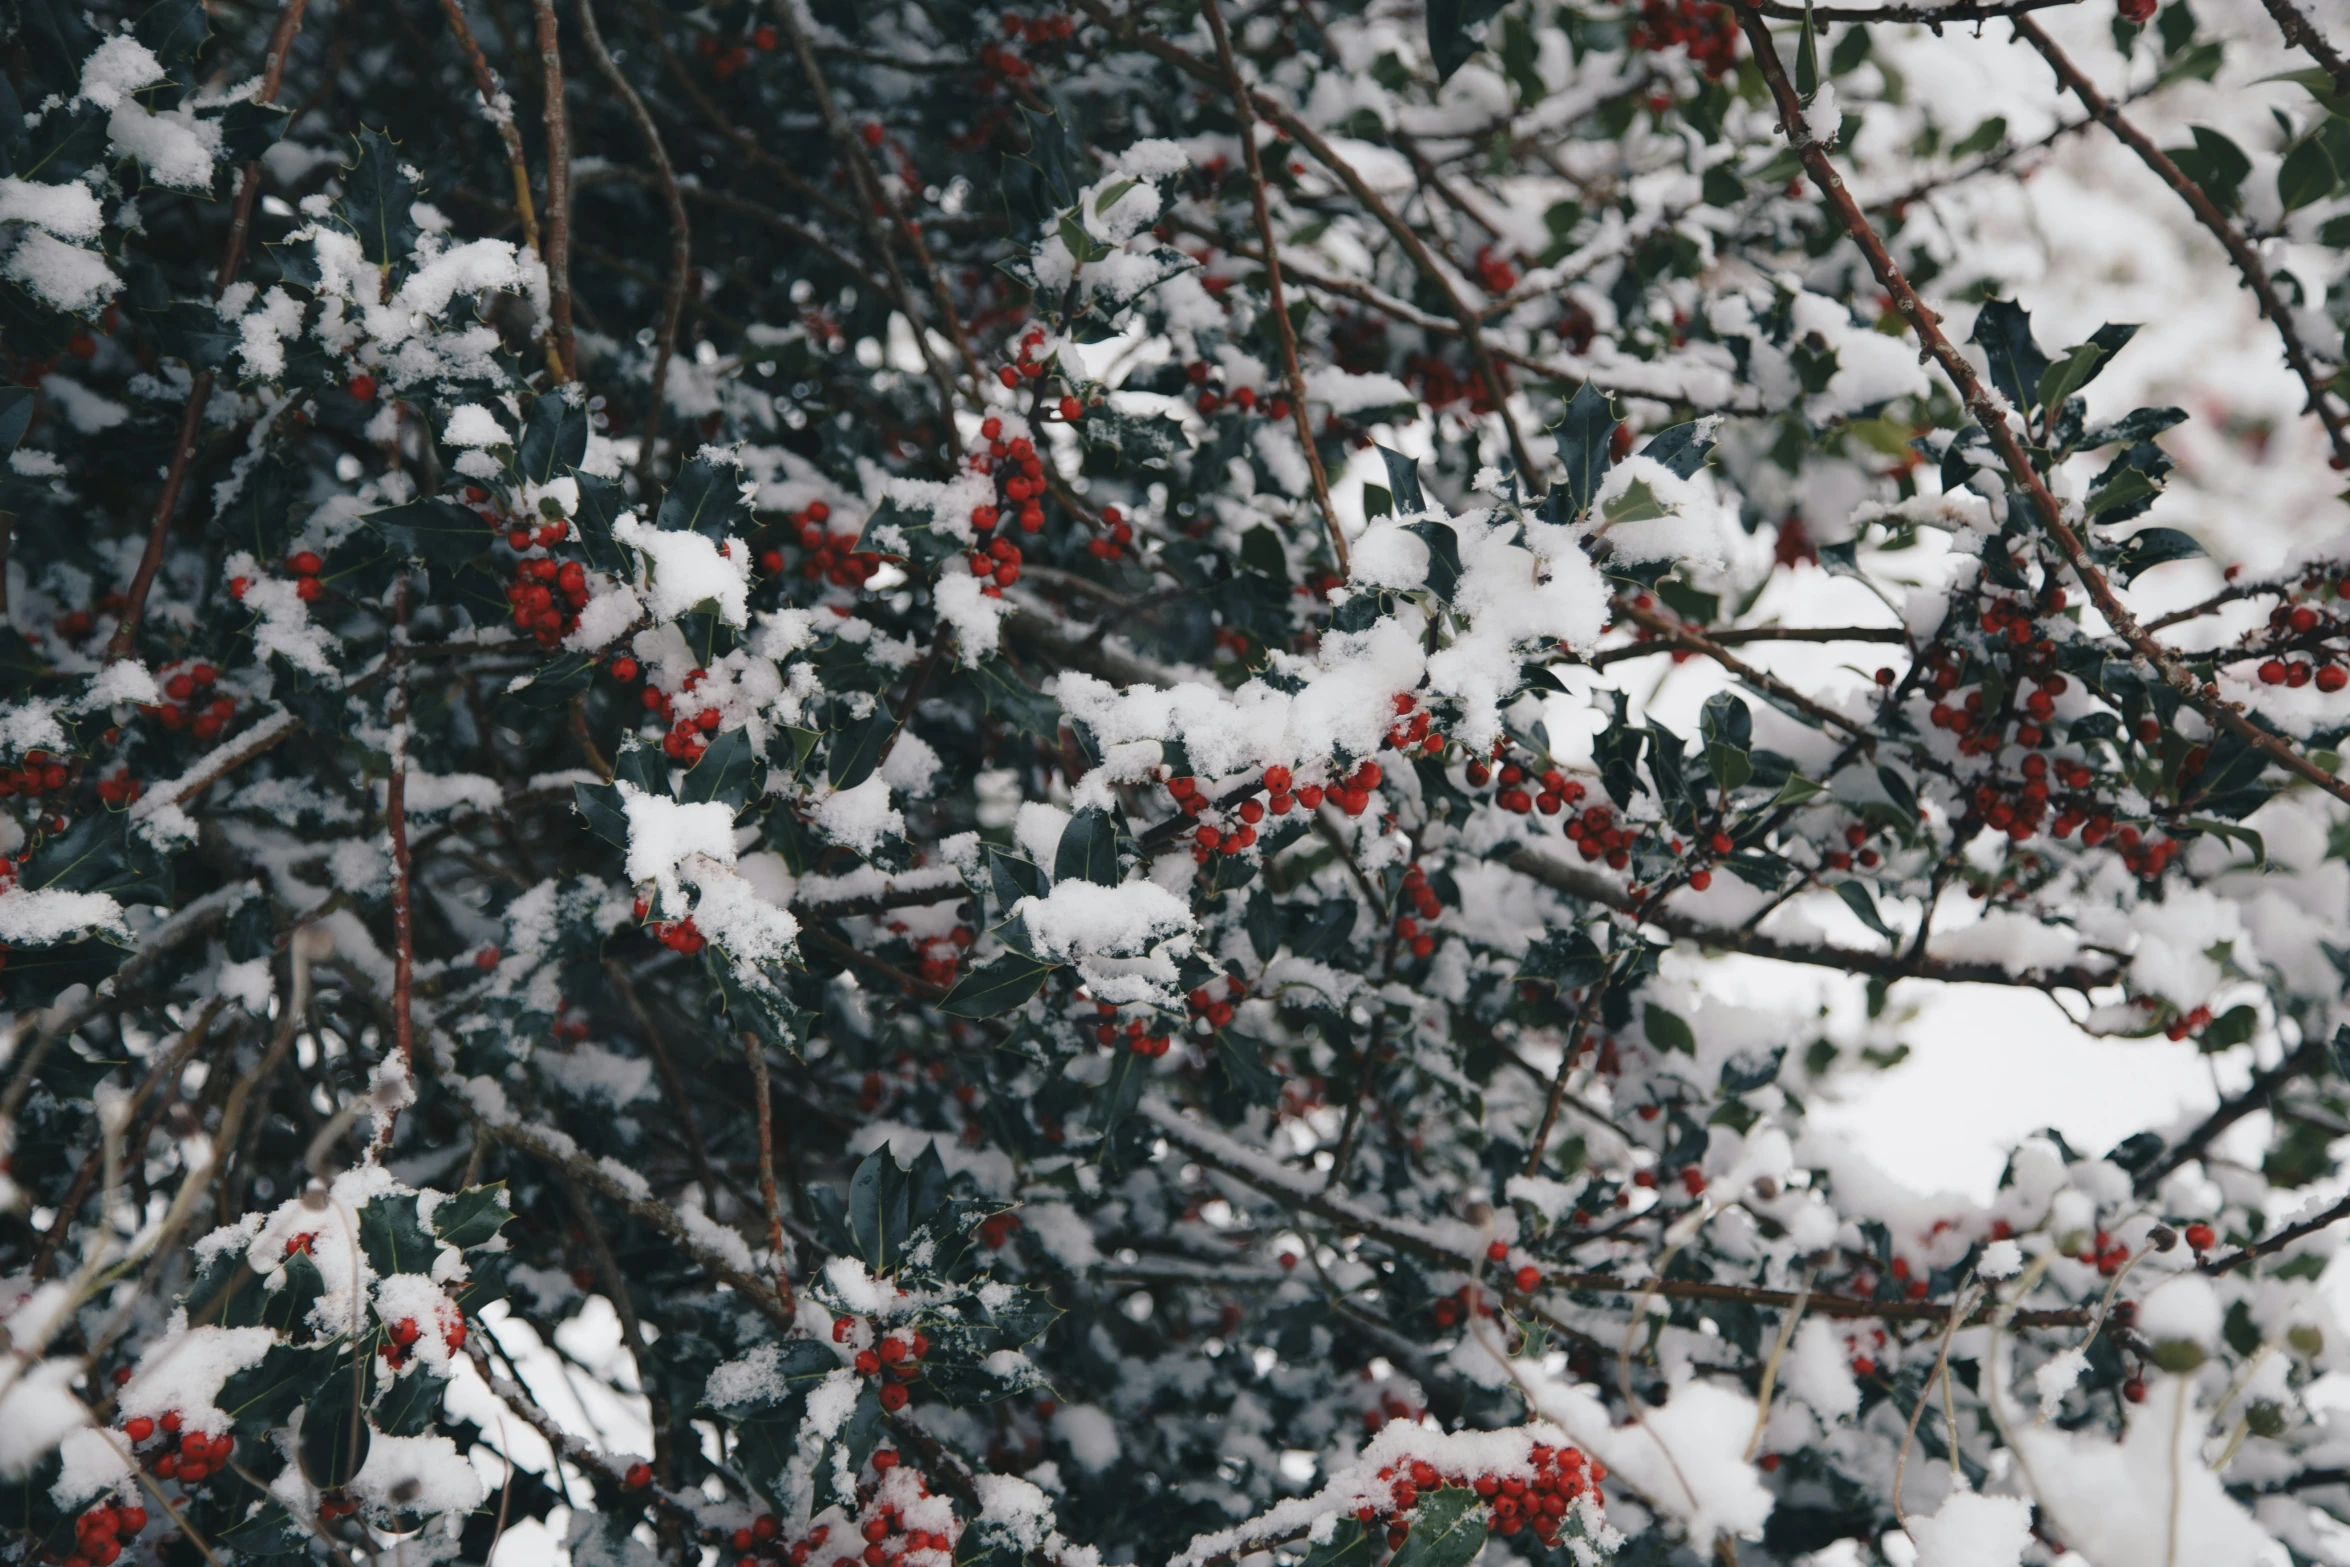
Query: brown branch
x=680, y=237
x=566, y=1157
x=755, y=1052
x=396, y=828
x=1591, y=887
x=1738, y=636
x=502, y=116
x=2302, y=34
x=1282, y=324
x=183, y=451
x=671, y=1081
x=873, y=198
x=1404, y=1236
x=2279, y=1241
x=2310, y=1057
x=166, y=1069
x=1557, y=1097
x=1297, y=130
x=1991, y=416
x=1934, y=16
x=1674, y=632
x=558, y=250
x=2239, y=249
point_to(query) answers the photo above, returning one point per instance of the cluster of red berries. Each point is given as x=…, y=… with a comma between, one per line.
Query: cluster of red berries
x=1215, y=1010
x=1555, y=789
x=1037, y=30
x=1864, y=1363
x=186, y=702
x=995, y=1231
x=546, y=594
x=1211, y=401
x=2300, y=672
x=1598, y=835
x=685, y=740
x=118, y=788
x=1414, y=732
x=2193, y=1021
x=303, y=566
x=761, y=1541
x=1410, y=929
x=76, y=624
x=680, y=936
x=895, y=1360
x=829, y=557
x=399, y=1345
x=1441, y=383
x=98, y=1534
x=1026, y=366
x=1351, y=794
x=1389, y=1405
x=1136, y=1032
x=1856, y=850
x=1562, y=1477
x=41, y=773
x=726, y=59
x=941, y=956
x=2110, y=1255
x=1494, y=271
x=1707, y=30
x=190, y=1457
x=1691, y=1178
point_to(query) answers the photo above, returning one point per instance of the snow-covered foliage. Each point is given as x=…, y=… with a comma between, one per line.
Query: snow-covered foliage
x=919, y=785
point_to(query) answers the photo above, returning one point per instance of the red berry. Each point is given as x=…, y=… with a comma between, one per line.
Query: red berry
x=639, y=1476
x=305, y=564
x=308, y=589
x=486, y=959
x=1527, y=1279
x=363, y=387
x=2201, y=1237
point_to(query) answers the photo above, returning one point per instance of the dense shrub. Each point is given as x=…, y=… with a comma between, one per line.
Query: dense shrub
x=744, y=677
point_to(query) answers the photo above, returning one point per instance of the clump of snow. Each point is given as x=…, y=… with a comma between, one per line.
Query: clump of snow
x=685, y=570
x=1973, y=1530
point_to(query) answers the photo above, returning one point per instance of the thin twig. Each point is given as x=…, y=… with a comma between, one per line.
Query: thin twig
x=558, y=250
x=2302, y=33
x=755, y=1052
x=500, y=111
x=681, y=258
x=1281, y=322
x=1992, y=417
x=183, y=451
x=2231, y=239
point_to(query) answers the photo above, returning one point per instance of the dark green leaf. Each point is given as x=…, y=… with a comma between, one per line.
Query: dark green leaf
x=2151, y=548
x=1683, y=448
x=263, y=1397
x=857, y=747
x=393, y=1239
x=1449, y=21
x=2016, y=362
x=554, y=439
x=1666, y=1030
x=377, y=196
x=1566, y=958
x=705, y=498
x=1449, y=1531
x=1403, y=482
x=1006, y=983
x=1089, y=849
x=101, y=853
x=473, y=1216
x=1444, y=555
x=335, y=1432
x=731, y=772
x=1582, y=438
x=1856, y=898
x=441, y=533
